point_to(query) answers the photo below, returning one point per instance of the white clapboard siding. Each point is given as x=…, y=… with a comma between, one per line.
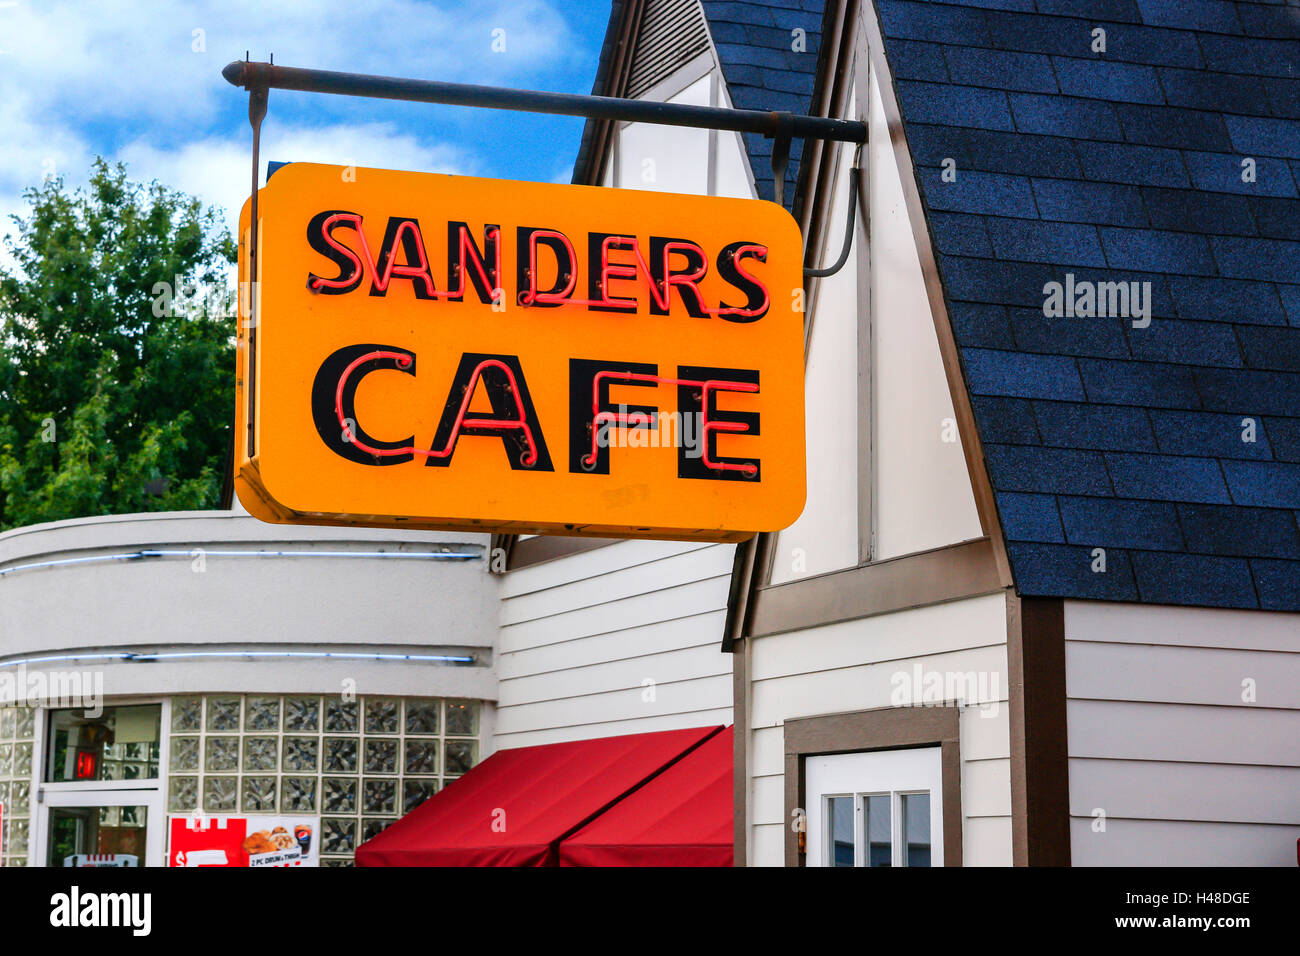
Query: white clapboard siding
x=1180, y=843
x=986, y=733
x=1186, y=675
x=612, y=677
x=1164, y=732
x=584, y=717
x=1227, y=793
x=985, y=787
x=767, y=752
x=620, y=639
x=986, y=841
x=767, y=798
x=1186, y=627
x=856, y=688
x=615, y=585
x=648, y=640
x=588, y=564
x=1184, y=735
x=936, y=629
x=767, y=845
x=854, y=666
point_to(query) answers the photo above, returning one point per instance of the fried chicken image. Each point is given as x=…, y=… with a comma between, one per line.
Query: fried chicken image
x=260, y=842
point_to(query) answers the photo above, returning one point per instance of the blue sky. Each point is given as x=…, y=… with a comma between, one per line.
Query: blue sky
x=140, y=81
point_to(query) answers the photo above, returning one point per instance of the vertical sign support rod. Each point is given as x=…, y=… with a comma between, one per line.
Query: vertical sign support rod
x=257, y=98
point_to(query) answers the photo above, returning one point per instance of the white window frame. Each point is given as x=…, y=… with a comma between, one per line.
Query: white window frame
x=41, y=758
x=864, y=774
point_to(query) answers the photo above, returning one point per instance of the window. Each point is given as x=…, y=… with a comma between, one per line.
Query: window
x=119, y=743
x=358, y=763
x=880, y=808
x=17, y=733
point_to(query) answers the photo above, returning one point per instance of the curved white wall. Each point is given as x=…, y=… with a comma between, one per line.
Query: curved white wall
x=365, y=604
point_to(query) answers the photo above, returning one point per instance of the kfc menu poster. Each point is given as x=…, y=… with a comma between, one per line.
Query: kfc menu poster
x=244, y=841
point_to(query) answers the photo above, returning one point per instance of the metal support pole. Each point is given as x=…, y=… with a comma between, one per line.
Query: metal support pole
x=252, y=75
x=257, y=97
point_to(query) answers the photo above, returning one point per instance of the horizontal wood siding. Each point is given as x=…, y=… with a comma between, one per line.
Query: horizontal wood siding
x=1169, y=765
x=851, y=666
x=621, y=639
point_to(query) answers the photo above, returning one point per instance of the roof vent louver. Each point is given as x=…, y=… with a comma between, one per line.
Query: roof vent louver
x=671, y=34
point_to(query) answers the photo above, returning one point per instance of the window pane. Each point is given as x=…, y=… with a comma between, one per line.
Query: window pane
x=879, y=831
x=302, y=713
x=187, y=714
x=916, y=828
x=183, y=794
x=381, y=715
x=223, y=713
x=75, y=831
x=462, y=718
x=262, y=713
x=422, y=716
x=121, y=743
x=839, y=813
x=340, y=716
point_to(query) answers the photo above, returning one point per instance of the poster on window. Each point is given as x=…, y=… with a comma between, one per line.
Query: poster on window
x=95, y=860
x=251, y=841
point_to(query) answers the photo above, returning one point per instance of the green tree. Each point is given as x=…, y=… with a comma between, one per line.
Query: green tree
x=116, y=386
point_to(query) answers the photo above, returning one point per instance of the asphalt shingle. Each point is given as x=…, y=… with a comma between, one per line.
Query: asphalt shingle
x=1171, y=160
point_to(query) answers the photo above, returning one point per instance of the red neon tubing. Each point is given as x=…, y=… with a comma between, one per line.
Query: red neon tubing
x=745, y=313
x=495, y=424
x=381, y=284
x=706, y=426
x=660, y=296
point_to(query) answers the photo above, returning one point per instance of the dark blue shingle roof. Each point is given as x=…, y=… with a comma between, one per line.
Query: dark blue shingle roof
x=755, y=42
x=1175, y=448
x=1126, y=166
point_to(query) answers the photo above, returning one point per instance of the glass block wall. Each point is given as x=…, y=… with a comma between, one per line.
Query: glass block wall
x=358, y=764
x=17, y=730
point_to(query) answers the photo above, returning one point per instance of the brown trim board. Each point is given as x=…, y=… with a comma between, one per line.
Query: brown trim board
x=881, y=728
x=740, y=753
x=930, y=577
x=1040, y=772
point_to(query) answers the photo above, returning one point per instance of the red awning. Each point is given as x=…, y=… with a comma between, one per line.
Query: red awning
x=683, y=817
x=515, y=807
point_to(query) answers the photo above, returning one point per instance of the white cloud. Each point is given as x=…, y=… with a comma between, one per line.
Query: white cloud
x=137, y=58
x=218, y=170
x=80, y=79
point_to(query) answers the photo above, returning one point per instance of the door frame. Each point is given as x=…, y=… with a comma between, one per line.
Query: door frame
x=101, y=793
x=881, y=728
x=151, y=798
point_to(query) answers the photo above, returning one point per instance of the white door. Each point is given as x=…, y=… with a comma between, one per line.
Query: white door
x=117, y=827
x=877, y=808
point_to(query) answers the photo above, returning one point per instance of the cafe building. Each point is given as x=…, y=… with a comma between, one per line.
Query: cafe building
x=1042, y=604
x=192, y=665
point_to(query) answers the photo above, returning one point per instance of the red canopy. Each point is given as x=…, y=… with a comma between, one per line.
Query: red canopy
x=683, y=817
x=515, y=807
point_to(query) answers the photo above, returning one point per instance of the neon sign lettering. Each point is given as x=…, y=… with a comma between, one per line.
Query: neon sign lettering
x=513, y=419
x=674, y=265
